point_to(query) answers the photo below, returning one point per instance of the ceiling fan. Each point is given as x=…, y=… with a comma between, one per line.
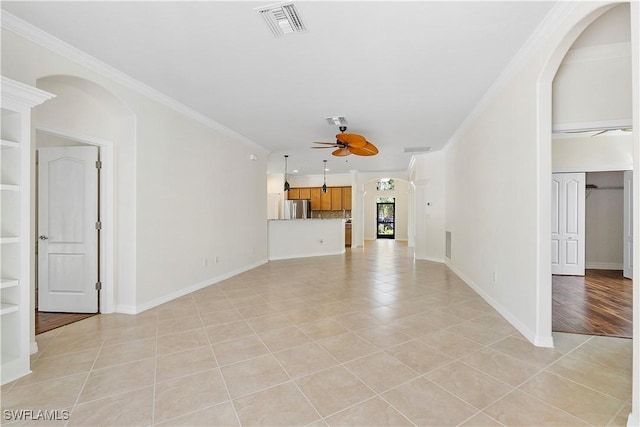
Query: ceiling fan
x=350, y=143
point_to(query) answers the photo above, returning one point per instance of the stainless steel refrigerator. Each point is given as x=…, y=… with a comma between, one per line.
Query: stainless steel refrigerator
x=297, y=209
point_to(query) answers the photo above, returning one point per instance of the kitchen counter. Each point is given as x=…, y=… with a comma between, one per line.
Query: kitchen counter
x=301, y=238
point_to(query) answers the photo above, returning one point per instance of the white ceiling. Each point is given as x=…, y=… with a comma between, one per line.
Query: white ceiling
x=404, y=74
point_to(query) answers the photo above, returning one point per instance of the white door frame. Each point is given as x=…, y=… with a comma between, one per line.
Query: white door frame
x=107, y=237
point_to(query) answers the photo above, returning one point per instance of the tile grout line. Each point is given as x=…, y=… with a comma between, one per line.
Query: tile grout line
x=86, y=380
x=295, y=384
x=218, y=367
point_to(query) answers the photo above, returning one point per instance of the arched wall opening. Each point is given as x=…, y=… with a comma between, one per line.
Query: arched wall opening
x=544, y=174
x=87, y=113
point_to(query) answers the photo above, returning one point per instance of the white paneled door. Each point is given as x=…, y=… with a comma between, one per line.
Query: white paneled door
x=628, y=225
x=568, y=224
x=67, y=234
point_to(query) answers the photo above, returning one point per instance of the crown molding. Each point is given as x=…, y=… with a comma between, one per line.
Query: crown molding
x=36, y=35
x=598, y=53
x=554, y=18
x=23, y=94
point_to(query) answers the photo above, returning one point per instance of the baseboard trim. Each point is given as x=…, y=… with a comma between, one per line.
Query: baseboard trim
x=278, y=258
x=431, y=259
x=127, y=309
x=34, y=347
x=537, y=340
x=604, y=266
x=633, y=420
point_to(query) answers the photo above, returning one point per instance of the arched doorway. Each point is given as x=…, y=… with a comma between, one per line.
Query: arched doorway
x=86, y=114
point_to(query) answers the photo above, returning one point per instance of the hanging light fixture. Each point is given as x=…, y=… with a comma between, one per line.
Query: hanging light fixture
x=324, y=185
x=286, y=183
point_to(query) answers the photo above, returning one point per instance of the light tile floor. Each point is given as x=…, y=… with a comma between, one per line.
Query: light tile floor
x=369, y=338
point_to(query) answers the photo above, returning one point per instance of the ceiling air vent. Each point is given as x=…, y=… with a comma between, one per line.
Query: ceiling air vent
x=417, y=149
x=282, y=19
x=336, y=120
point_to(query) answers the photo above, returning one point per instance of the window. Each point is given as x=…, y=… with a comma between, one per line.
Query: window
x=385, y=184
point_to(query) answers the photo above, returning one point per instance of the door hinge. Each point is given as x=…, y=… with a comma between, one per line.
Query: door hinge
x=99, y=164
x=98, y=285
x=98, y=225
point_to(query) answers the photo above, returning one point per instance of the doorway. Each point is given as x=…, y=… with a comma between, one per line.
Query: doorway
x=68, y=226
x=597, y=300
x=385, y=218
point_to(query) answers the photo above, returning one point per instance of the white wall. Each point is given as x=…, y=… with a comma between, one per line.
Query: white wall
x=428, y=177
x=593, y=84
x=333, y=180
x=498, y=172
x=603, y=221
x=599, y=153
x=186, y=188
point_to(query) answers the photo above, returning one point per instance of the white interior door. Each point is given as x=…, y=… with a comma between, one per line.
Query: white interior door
x=68, y=239
x=568, y=224
x=628, y=225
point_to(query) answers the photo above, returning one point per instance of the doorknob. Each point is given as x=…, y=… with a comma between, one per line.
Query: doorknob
x=43, y=237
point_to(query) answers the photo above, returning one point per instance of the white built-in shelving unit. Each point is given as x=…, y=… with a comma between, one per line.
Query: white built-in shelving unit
x=15, y=237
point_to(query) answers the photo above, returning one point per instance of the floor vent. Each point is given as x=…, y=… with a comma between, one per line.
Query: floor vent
x=282, y=19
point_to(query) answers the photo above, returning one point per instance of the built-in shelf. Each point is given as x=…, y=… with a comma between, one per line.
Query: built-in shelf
x=5, y=143
x=8, y=308
x=15, y=143
x=9, y=187
x=8, y=283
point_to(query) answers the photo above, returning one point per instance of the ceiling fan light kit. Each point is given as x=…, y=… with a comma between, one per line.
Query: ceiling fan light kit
x=350, y=143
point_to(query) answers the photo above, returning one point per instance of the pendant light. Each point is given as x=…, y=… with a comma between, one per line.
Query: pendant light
x=324, y=185
x=286, y=183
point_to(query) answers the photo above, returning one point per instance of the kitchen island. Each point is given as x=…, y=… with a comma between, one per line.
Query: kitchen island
x=301, y=238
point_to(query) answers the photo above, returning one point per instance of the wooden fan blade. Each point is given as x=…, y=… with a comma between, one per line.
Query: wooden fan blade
x=368, y=150
x=351, y=139
x=341, y=152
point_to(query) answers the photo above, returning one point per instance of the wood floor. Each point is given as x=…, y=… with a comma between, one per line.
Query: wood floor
x=600, y=303
x=48, y=321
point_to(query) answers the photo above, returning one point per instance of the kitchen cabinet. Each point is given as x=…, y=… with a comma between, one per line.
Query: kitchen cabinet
x=315, y=198
x=346, y=198
x=325, y=200
x=293, y=194
x=305, y=193
x=347, y=234
x=336, y=198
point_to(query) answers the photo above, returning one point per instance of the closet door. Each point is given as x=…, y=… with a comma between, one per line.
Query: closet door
x=568, y=224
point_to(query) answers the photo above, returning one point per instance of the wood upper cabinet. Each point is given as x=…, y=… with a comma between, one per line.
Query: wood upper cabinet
x=305, y=193
x=315, y=198
x=346, y=198
x=336, y=198
x=325, y=200
x=293, y=194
